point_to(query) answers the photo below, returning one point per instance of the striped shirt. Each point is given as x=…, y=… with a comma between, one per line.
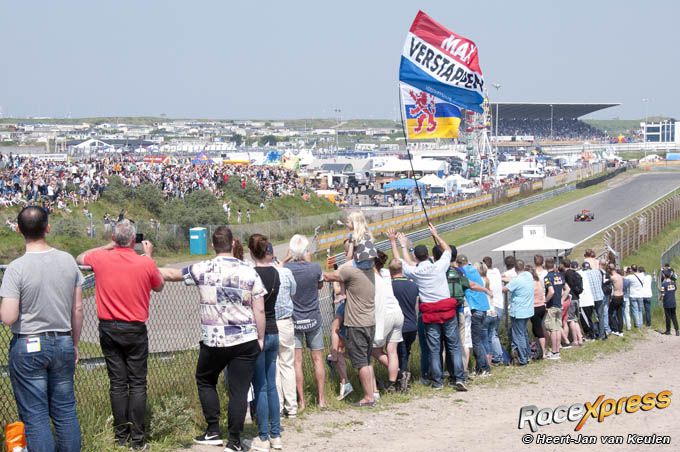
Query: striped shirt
x=284, y=302
x=595, y=281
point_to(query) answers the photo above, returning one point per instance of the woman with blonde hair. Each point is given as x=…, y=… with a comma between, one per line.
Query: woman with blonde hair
x=361, y=247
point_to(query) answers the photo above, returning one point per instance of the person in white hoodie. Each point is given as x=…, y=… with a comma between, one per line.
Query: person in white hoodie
x=646, y=296
x=586, y=302
x=636, y=294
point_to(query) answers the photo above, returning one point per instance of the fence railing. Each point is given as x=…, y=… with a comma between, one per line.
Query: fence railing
x=627, y=237
x=670, y=255
x=174, y=333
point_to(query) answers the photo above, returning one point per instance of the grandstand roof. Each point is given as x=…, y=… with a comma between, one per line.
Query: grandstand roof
x=540, y=110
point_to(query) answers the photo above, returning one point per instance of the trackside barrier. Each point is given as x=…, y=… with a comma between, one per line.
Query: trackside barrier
x=627, y=237
x=467, y=220
x=331, y=240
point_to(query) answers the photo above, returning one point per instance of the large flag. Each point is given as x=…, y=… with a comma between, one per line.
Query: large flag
x=442, y=63
x=427, y=116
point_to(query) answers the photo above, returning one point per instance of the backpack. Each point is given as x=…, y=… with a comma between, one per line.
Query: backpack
x=577, y=283
x=606, y=284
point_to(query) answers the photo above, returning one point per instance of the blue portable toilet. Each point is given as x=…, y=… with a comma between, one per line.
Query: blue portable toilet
x=198, y=241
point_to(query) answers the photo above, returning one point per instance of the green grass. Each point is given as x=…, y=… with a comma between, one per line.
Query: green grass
x=483, y=228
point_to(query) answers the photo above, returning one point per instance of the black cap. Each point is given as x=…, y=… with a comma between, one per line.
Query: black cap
x=420, y=252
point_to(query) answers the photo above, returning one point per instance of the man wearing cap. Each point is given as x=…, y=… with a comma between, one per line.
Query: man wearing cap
x=436, y=304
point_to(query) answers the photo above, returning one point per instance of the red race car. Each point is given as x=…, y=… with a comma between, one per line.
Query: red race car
x=584, y=215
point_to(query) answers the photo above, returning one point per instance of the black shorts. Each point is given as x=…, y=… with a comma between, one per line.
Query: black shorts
x=359, y=344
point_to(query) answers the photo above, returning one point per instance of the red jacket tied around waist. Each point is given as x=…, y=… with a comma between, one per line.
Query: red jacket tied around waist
x=439, y=312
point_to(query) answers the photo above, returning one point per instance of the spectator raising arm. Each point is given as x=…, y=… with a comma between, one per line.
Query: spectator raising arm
x=171, y=274
x=403, y=241
x=81, y=257
x=438, y=240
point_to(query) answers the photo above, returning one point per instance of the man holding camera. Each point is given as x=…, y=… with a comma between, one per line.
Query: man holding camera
x=124, y=281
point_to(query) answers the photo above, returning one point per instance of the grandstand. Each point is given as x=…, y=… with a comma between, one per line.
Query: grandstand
x=532, y=121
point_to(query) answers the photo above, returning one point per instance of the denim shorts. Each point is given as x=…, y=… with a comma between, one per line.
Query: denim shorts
x=313, y=339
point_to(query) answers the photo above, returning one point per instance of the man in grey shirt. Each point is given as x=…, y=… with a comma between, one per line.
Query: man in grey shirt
x=42, y=302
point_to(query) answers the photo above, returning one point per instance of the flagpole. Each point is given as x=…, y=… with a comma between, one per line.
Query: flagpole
x=408, y=152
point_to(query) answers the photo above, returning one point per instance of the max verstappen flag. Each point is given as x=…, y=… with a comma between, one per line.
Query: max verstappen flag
x=443, y=64
x=427, y=116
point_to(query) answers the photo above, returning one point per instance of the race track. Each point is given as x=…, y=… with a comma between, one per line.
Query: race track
x=610, y=206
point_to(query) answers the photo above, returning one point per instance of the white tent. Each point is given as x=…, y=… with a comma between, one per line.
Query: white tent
x=432, y=181
x=534, y=238
x=458, y=180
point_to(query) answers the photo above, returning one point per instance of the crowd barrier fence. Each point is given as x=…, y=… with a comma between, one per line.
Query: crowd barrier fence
x=174, y=333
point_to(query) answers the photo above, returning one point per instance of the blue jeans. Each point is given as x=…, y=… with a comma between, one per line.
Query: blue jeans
x=626, y=312
x=490, y=325
x=495, y=339
x=520, y=339
x=647, y=303
x=479, y=339
x=605, y=314
x=264, y=386
x=424, y=350
x=636, y=308
x=43, y=388
x=449, y=330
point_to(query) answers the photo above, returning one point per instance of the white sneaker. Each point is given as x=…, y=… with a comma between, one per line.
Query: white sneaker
x=276, y=443
x=258, y=445
x=376, y=396
x=554, y=356
x=345, y=390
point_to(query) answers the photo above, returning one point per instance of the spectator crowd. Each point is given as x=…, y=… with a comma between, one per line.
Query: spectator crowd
x=257, y=315
x=61, y=185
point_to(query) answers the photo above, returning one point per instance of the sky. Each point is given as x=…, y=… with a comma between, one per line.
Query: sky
x=306, y=59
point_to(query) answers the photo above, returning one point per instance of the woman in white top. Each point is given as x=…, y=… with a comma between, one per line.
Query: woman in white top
x=388, y=322
x=587, y=304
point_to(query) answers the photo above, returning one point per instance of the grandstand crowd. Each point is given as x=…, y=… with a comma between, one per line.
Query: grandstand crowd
x=540, y=129
x=257, y=315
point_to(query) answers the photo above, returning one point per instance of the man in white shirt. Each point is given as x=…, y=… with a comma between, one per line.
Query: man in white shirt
x=646, y=296
x=636, y=294
x=436, y=304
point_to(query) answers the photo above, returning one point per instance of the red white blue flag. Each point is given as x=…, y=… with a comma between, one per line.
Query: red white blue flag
x=443, y=64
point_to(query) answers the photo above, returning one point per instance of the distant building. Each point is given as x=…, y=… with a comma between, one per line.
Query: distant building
x=665, y=131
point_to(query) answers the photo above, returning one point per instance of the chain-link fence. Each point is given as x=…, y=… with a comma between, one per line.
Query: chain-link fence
x=174, y=333
x=627, y=237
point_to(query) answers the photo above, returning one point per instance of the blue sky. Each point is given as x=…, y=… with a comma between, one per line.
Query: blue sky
x=302, y=59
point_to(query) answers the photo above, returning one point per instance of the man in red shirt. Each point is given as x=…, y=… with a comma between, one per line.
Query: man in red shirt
x=124, y=281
